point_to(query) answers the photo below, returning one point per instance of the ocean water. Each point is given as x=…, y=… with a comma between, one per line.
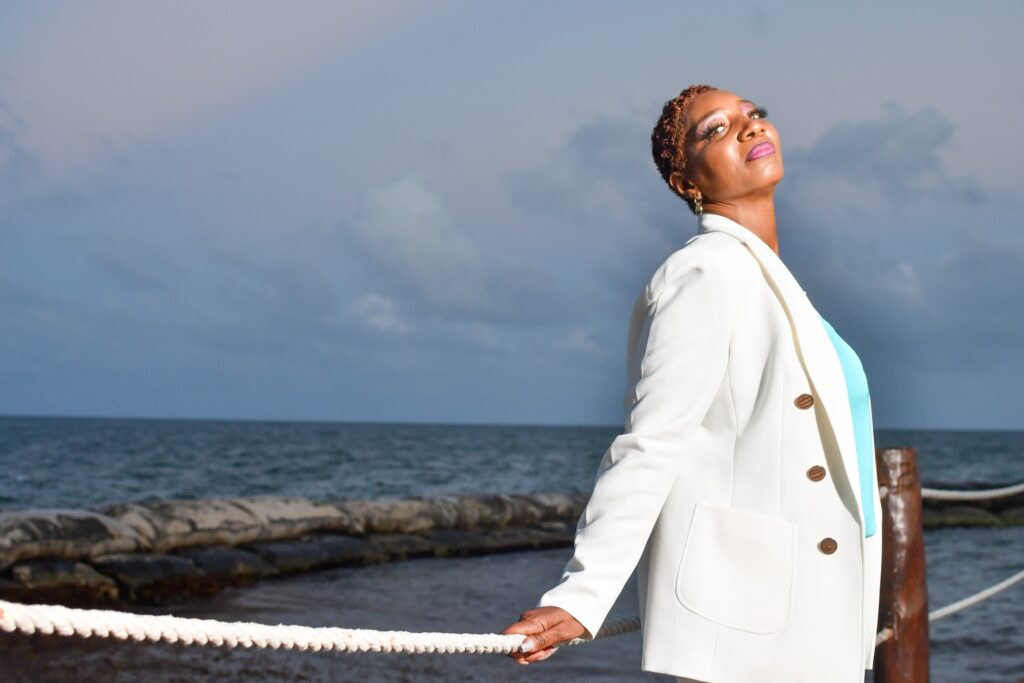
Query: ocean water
x=79, y=463
x=85, y=463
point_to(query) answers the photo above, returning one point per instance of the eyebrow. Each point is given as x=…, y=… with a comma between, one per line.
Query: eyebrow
x=718, y=111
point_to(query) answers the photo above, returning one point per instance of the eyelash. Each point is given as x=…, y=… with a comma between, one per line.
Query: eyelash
x=709, y=133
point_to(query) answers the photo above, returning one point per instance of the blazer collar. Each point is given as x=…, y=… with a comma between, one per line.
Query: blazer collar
x=814, y=347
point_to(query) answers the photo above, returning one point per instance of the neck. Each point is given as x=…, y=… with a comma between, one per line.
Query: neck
x=756, y=215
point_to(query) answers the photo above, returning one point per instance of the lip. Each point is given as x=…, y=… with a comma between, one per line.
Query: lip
x=760, y=150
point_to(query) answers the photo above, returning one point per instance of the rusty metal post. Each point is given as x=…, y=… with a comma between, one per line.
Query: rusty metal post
x=903, y=658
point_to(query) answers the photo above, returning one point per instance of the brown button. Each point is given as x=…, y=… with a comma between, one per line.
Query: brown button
x=827, y=545
x=804, y=401
x=816, y=473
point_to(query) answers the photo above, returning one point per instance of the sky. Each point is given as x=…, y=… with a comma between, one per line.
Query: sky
x=443, y=211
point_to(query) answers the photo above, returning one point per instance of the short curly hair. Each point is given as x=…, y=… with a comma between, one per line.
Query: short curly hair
x=668, y=140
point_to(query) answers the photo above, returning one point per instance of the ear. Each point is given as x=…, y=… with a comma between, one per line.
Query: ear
x=682, y=186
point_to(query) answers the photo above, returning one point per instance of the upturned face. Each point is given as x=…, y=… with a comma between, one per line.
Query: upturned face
x=732, y=150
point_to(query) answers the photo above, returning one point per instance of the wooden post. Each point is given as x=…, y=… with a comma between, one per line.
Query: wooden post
x=903, y=658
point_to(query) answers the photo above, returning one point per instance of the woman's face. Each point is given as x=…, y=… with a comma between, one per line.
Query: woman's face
x=732, y=151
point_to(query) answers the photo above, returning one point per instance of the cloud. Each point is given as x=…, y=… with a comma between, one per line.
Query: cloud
x=603, y=172
x=904, y=280
x=579, y=340
x=979, y=285
x=893, y=158
x=132, y=72
x=379, y=313
x=870, y=207
x=409, y=245
x=404, y=228
x=19, y=170
x=917, y=266
x=601, y=194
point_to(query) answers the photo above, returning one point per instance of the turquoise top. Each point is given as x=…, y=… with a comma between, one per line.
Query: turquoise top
x=860, y=407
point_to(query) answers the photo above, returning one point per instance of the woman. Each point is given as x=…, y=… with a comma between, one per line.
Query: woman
x=743, y=489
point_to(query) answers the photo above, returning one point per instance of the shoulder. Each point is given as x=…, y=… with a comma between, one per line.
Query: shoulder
x=716, y=256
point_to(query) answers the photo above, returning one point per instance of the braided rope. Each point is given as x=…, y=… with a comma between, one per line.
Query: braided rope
x=952, y=494
x=66, y=621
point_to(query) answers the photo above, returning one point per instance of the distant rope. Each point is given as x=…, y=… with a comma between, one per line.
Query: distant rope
x=955, y=607
x=952, y=494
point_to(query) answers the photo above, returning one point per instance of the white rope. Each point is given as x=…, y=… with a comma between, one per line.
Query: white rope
x=976, y=598
x=952, y=494
x=961, y=604
x=67, y=621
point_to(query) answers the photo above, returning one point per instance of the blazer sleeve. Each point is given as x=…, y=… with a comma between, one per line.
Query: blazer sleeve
x=678, y=352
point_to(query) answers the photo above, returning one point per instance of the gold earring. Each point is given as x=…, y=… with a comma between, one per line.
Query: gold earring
x=697, y=205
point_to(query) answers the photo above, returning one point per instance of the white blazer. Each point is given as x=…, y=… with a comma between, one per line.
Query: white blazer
x=734, y=490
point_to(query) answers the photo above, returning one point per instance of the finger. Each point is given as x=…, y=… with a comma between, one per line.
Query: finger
x=532, y=621
x=539, y=641
x=517, y=654
x=532, y=656
x=543, y=654
x=521, y=657
x=525, y=627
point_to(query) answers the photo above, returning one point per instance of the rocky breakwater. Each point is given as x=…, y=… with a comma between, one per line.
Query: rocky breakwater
x=163, y=551
x=1004, y=510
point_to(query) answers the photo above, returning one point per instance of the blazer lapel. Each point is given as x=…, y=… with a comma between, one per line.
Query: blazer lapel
x=821, y=363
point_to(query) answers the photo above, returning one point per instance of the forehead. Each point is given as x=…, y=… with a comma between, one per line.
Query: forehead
x=710, y=101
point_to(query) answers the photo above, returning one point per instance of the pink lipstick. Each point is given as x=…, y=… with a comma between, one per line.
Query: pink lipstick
x=761, y=150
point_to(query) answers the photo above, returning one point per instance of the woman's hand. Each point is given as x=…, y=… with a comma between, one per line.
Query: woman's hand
x=546, y=627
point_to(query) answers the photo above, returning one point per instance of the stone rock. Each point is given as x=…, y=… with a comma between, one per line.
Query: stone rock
x=224, y=567
x=201, y=546
x=168, y=524
x=531, y=510
x=62, y=582
x=478, y=513
x=1014, y=515
x=407, y=516
x=304, y=554
x=63, y=534
x=460, y=543
x=932, y=518
x=470, y=513
x=349, y=551
x=402, y=546
x=968, y=515
x=290, y=557
x=153, y=578
x=554, y=536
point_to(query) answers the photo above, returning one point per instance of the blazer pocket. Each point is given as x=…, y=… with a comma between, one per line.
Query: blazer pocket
x=736, y=568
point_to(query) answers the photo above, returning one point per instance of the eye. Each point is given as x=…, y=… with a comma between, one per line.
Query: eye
x=710, y=132
x=755, y=113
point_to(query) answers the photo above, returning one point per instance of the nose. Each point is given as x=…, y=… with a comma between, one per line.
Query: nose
x=751, y=128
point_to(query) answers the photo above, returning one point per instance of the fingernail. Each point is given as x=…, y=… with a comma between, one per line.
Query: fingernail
x=526, y=646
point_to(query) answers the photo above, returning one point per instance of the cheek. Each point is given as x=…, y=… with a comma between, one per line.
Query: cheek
x=721, y=162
